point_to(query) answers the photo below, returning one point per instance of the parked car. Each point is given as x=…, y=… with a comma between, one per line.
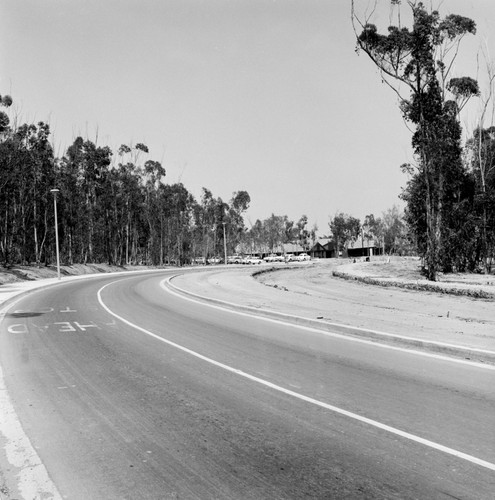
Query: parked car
x=274, y=258
x=235, y=259
x=252, y=260
x=302, y=257
x=270, y=258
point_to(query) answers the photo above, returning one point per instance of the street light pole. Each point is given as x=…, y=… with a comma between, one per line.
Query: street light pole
x=55, y=192
x=224, y=243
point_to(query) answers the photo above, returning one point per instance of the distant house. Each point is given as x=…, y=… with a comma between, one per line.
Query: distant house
x=323, y=248
x=363, y=247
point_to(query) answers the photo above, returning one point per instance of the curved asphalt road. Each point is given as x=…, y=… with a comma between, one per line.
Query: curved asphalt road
x=128, y=391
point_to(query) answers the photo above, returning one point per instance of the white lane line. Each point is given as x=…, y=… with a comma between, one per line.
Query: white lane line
x=483, y=366
x=335, y=409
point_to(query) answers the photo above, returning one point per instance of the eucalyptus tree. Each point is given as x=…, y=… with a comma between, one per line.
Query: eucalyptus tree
x=303, y=234
x=290, y=231
x=257, y=236
x=140, y=225
x=419, y=61
x=26, y=176
x=237, y=207
x=481, y=156
x=344, y=229
x=205, y=222
x=221, y=211
x=177, y=204
x=5, y=101
x=39, y=178
x=14, y=198
x=369, y=228
x=395, y=236
x=90, y=163
x=153, y=173
x=275, y=231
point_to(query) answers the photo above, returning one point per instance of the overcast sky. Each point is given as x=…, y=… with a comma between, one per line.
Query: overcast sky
x=259, y=95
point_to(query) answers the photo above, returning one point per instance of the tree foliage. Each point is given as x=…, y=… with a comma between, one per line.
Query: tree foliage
x=344, y=229
x=421, y=59
x=111, y=208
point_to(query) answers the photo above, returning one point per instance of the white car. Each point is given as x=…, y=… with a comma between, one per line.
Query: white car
x=270, y=258
x=252, y=260
x=301, y=257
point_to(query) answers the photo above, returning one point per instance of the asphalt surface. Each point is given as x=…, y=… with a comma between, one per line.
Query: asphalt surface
x=129, y=391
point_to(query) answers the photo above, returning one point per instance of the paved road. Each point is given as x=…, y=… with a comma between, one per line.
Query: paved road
x=127, y=391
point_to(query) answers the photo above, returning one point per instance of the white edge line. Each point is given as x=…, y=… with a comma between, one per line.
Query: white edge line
x=335, y=409
x=327, y=333
x=33, y=480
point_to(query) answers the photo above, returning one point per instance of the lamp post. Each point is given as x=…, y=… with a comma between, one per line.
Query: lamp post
x=55, y=192
x=224, y=243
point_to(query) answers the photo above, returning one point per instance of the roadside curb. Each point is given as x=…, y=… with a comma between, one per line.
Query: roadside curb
x=460, y=352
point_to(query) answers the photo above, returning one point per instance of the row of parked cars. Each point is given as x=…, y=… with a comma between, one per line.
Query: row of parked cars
x=287, y=258
x=238, y=259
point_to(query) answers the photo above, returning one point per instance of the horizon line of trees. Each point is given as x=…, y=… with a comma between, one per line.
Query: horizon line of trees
x=111, y=208
x=116, y=208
